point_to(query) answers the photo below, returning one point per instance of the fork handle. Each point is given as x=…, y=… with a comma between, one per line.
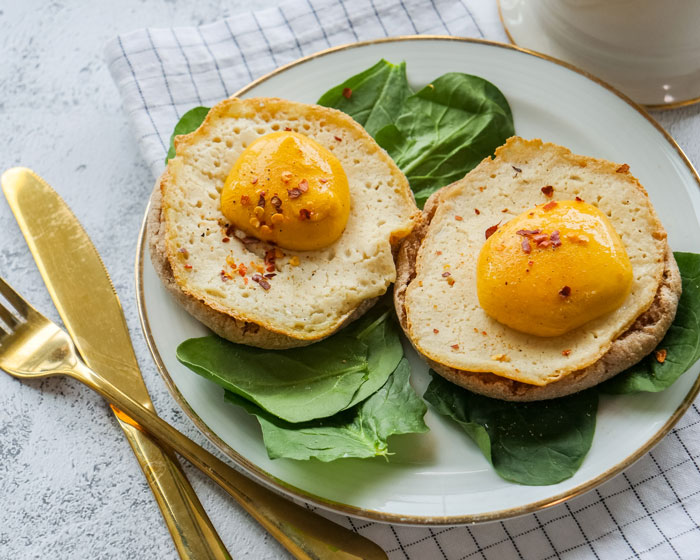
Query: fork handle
x=306, y=535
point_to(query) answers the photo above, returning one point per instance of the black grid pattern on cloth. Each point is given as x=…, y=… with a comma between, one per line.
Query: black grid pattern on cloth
x=651, y=511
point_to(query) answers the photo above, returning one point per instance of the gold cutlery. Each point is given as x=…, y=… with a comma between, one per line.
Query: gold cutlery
x=83, y=294
x=69, y=262
x=32, y=346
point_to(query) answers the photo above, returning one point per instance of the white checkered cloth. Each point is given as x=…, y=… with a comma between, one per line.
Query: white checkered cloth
x=649, y=511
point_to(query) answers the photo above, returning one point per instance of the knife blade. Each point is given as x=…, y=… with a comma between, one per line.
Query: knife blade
x=82, y=292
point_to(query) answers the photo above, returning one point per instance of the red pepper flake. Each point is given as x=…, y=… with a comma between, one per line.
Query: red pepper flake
x=347, y=93
x=526, y=232
x=436, y=331
x=242, y=269
x=438, y=253
x=565, y=352
x=530, y=263
x=245, y=200
x=338, y=138
x=276, y=201
x=264, y=284
x=540, y=238
x=476, y=211
x=517, y=169
x=253, y=180
x=549, y=205
x=184, y=252
x=459, y=218
x=554, y=238
x=483, y=332
x=303, y=185
x=565, y=292
x=660, y=355
x=624, y=168
x=445, y=274
x=504, y=210
x=287, y=129
x=455, y=347
x=304, y=214
x=270, y=275
x=525, y=244
x=261, y=201
x=450, y=281
x=579, y=199
x=293, y=193
x=548, y=190
x=188, y=267
x=270, y=256
x=490, y=231
x=482, y=189
x=323, y=180
x=224, y=276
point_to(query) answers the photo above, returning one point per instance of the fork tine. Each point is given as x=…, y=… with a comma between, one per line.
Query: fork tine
x=8, y=318
x=15, y=300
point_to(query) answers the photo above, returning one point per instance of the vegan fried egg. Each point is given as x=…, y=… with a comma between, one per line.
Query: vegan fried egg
x=276, y=221
x=531, y=267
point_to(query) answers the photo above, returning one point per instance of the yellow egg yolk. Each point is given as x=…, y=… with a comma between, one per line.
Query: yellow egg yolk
x=553, y=268
x=288, y=189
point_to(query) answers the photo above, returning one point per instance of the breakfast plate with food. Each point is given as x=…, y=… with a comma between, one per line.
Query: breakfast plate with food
x=425, y=280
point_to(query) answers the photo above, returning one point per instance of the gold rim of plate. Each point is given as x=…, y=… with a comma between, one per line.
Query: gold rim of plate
x=649, y=107
x=373, y=515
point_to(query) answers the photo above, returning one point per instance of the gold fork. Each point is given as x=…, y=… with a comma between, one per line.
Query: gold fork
x=33, y=346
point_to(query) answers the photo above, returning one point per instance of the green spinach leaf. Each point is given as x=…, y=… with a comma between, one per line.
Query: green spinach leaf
x=436, y=135
x=445, y=129
x=361, y=431
x=189, y=122
x=373, y=97
x=536, y=443
x=682, y=340
x=305, y=383
x=379, y=330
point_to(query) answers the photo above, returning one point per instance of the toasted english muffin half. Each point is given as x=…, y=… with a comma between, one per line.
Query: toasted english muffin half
x=311, y=294
x=536, y=367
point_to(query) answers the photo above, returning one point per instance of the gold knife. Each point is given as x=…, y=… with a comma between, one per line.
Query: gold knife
x=85, y=298
x=88, y=305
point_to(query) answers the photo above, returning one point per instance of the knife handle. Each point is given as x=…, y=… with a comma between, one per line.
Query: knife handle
x=305, y=534
x=194, y=535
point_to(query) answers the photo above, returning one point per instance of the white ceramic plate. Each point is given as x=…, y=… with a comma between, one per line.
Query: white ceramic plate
x=441, y=477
